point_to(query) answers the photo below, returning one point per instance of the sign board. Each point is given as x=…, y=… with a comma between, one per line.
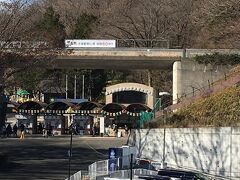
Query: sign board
x=89, y=43
x=114, y=158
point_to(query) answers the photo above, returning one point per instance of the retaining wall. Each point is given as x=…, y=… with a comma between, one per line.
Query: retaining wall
x=211, y=150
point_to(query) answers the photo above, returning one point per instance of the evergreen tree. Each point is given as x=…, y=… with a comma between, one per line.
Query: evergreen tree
x=84, y=25
x=3, y=107
x=52, y=30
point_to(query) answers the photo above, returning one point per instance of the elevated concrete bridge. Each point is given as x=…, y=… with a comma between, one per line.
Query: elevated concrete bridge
x=119, y=58
x=128, y=58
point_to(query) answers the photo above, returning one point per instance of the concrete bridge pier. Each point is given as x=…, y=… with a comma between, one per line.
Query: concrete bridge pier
x=177, y=73
x=189, y=77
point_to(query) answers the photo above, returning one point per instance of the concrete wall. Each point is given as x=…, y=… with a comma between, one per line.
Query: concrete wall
x=212, y=150
x=189, y=75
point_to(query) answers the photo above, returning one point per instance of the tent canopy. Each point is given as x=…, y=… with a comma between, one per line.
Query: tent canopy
x=22, y=92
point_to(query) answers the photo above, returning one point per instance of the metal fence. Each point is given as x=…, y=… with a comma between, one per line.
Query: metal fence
x=76, y=176
x=220, y=85
x=80, y=175
x=143, y=43
x=99, y=168
x=125, y=174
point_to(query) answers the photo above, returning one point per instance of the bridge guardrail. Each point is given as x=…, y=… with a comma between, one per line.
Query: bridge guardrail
x=120, y=43
x=140, y=43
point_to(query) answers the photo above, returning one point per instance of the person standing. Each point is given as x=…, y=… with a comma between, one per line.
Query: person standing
x=44, y=132
x=15, y=130
x=49, y=129
x=126, y=130
x=94, y=129
x=9, y=130
x=40, y=128
x=4, y=131
x=22, y=129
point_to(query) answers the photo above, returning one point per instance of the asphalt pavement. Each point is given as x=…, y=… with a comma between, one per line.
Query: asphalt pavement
x=47, y=158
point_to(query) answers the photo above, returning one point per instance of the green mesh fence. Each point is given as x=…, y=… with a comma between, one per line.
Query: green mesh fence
x=144, y=117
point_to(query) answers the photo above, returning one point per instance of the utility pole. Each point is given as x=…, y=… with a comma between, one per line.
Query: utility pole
x=83, y=87
x=131, y=167
x=90, y=96
x=75, y=87
x=66, y=86
x=70, y=152
x=164, y=146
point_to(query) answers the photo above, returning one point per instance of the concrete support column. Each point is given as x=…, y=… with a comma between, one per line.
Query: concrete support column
x=177, y=80
x=149, y=78
x=34, y=123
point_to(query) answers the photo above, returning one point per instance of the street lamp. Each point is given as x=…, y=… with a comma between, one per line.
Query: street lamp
x=70, y=150
x=164, y=128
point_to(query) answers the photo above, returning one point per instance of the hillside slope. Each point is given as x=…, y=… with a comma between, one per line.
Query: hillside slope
x=220, y=109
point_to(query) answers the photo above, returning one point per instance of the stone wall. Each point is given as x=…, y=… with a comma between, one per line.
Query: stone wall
x=212, y=150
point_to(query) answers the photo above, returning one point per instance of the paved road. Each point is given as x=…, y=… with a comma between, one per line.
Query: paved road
x=46, y=158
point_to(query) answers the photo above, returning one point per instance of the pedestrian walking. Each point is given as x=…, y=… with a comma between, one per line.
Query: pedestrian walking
x=22, y=129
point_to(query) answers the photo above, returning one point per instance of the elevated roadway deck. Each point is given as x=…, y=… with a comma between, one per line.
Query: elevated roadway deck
x=129, y=58
x=119, y=58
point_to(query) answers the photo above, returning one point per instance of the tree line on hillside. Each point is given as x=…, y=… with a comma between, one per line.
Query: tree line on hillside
x=186, y=23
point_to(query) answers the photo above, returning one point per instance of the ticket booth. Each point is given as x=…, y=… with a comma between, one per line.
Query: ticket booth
x=57, y=122
x=84, y=120
x=83, y=124
x=28, y=113
x=27, y=121
x=58, y=117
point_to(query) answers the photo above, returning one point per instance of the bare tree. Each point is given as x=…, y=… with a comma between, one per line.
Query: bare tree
x=219, y=22
x=139, y=19
x=18, y=19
